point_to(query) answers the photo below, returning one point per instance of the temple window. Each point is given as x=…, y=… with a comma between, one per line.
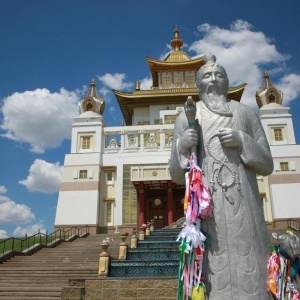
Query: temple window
x=109, y=178
x=166, y=81
x=83, y=174
x=190, y=81
x=170, y=119
x=109, y=212
x=284, y=166
x=86, y=142
x=178, y=80
x=278, y=134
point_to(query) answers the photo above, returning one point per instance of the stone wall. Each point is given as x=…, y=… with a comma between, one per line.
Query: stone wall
x=131, y=289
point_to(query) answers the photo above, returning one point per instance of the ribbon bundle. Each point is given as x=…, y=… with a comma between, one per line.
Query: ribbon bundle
x=281, y=275
x=197, y=205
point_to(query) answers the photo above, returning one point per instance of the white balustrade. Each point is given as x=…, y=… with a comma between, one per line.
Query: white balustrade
x=138, y=138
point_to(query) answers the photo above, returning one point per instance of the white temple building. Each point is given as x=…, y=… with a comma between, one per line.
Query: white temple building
x=119, y=176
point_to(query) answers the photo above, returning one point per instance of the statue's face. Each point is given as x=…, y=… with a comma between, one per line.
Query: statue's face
x=212, y=80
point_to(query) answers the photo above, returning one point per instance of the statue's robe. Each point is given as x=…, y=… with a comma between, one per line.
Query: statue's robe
x=235, y=262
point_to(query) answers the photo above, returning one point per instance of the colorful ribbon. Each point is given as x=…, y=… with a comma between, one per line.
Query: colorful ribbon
x=281, y=283
x=197, y=205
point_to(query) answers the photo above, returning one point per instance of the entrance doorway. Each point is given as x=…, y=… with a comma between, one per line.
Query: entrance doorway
x=156, y=207
x=178, y=196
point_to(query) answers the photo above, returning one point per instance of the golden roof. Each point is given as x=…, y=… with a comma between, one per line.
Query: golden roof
x=145, y=98
x=175, y=60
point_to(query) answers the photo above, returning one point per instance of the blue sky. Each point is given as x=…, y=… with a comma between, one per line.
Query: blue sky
x=51, y=50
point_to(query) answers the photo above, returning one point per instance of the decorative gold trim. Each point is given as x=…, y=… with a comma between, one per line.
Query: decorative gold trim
x=109, y=169
x=109, y=200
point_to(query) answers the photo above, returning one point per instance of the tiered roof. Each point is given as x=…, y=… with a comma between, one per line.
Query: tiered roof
x=176, y=60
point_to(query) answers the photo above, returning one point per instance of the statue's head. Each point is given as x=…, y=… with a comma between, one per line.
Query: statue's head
x=213, y=84
x=212, y=77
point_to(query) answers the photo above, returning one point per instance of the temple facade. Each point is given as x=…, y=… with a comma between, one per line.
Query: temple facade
x=119, y=176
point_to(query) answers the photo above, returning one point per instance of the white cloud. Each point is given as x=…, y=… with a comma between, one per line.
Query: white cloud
x=29, y=230
x=3, y=189
x=243, y=52
x=3, y=234
x=39, y=118
x=104, y=91
x=168, y=50
x=43, y=177
x=13, y=213
x=290, y=86
x=146, y=83
x=115, y=81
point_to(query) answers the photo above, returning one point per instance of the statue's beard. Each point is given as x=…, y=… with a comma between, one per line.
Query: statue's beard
x=216, y=103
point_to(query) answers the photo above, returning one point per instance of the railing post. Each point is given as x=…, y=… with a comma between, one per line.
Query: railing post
x=122, y=141
x=141, y=140
x=103, y=263
x=26, y=242
x=133, y=240
x=162, y=139
x=123, y=248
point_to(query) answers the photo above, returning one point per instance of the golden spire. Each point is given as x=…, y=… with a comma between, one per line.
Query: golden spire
x=268, y=82
x=268, y=93
x=176, y=42
x=137, y=85
x=92, y=101
x=92, y=92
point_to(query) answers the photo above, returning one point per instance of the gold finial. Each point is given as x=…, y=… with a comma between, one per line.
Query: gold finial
x=267, y=80
x=92, y=90
x=268, y=93
x=176, y=42
x=92, y=101
x=137, y=85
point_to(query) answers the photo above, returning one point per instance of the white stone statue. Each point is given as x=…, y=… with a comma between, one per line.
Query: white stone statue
x=231, y=149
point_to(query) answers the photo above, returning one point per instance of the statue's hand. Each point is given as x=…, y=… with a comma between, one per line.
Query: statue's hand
x=188, y=139
x=230, y=138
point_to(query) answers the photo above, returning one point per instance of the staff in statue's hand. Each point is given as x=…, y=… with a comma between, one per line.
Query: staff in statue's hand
x=189, y=140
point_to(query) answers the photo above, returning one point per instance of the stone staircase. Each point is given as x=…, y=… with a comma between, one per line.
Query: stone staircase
x=156, y=256
x=44, y=274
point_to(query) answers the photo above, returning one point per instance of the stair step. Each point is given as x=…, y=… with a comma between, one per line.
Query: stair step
x=144, y=268
x=161, y=237
x=154, y=244
x=151, y=254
